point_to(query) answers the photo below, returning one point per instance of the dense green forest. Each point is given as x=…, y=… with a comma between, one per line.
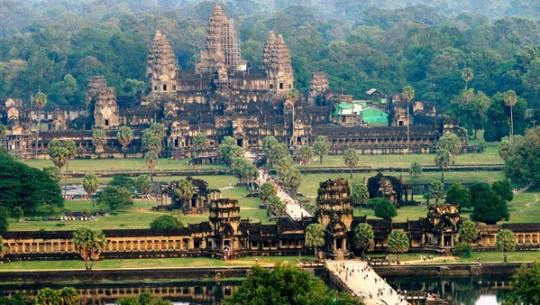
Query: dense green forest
x=55, y=45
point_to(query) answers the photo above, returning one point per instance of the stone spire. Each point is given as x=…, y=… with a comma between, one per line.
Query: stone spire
x=318, y=86
x=161, y=69
x=269, y=49
x=278, y=63
x=222, y=44
x=102, y=99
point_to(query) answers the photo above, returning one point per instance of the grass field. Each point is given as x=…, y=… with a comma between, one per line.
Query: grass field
x=140, y=215
x=122, y=165
x=489, y=156
x=525, y=208
x=152, y=263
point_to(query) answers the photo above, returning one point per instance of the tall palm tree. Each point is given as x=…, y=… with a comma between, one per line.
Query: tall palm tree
x=468, y=76
x=99, y=138
x=408, y=94
x=151, y=159
x=90, y=185
x=125, y=136
x=314, y=237
x=39, y=101
x=3, y=248
x=185, y=191
x=3, y=133
x=89, y=245
x=510, y=100
x=442, y=161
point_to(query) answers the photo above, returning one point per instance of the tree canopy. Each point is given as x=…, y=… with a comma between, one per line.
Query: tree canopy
x=26, y=187
x=286, y=284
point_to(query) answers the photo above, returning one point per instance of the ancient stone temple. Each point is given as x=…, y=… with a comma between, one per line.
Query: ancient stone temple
x=222, y=96
x=161, y=68
x=198, y=203
x=335, y=215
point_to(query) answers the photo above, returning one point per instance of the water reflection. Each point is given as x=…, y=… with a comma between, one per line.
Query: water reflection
x=457, y=291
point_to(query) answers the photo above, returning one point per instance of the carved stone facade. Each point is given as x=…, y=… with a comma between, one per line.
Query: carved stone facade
x=335, y=214
x=226, y=235
x=161, y=69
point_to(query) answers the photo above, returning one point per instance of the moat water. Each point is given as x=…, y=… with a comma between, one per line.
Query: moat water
x=457, y=291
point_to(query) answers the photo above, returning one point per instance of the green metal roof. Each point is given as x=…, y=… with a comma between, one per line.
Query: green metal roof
x=374, y=116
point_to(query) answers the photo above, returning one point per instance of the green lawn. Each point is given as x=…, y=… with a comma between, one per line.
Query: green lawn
x=525, y=208
x=140, y=215
x=490, y=156
x=484, y=256
x=152, y=263
x=122, y=165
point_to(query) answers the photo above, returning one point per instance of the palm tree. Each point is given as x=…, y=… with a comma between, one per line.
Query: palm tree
x=58, y=153
x=467, y=75
x=125, y=137
x=398, y=242
x=185, y=191
x=89, y=245
x=200, y=141
x=3, y=132
x=99, y=138
x=363, y=237
x=71, y=151
x=506, y=242
x=314, y=237
x=408, y=94
x=151, y=159
x=442, y=161
x=39, y=101
x=510, y=100
x=351, y=159
x=3, y=248
x=305, y=154
x=90, y=185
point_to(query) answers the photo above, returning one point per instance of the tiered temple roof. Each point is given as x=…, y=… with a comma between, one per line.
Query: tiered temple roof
x=161, y=69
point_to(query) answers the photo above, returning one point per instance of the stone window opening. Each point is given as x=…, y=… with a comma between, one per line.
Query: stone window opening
x=164, y=87
x=281, y=86
x=155, y=88
x=106, y=122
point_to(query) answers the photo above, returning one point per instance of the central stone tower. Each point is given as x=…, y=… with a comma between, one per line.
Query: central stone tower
x=278, y=64
x=335, y=215
x=222, y=50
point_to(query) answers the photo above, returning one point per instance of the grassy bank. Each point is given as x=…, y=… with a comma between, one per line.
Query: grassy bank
x=488, y=157
x=151, y=263
x=482, y=256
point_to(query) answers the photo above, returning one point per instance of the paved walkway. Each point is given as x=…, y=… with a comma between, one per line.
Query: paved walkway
x=292, y=208
x=365, y=282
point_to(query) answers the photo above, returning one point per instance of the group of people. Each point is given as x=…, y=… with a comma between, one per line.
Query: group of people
x=369, y=275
